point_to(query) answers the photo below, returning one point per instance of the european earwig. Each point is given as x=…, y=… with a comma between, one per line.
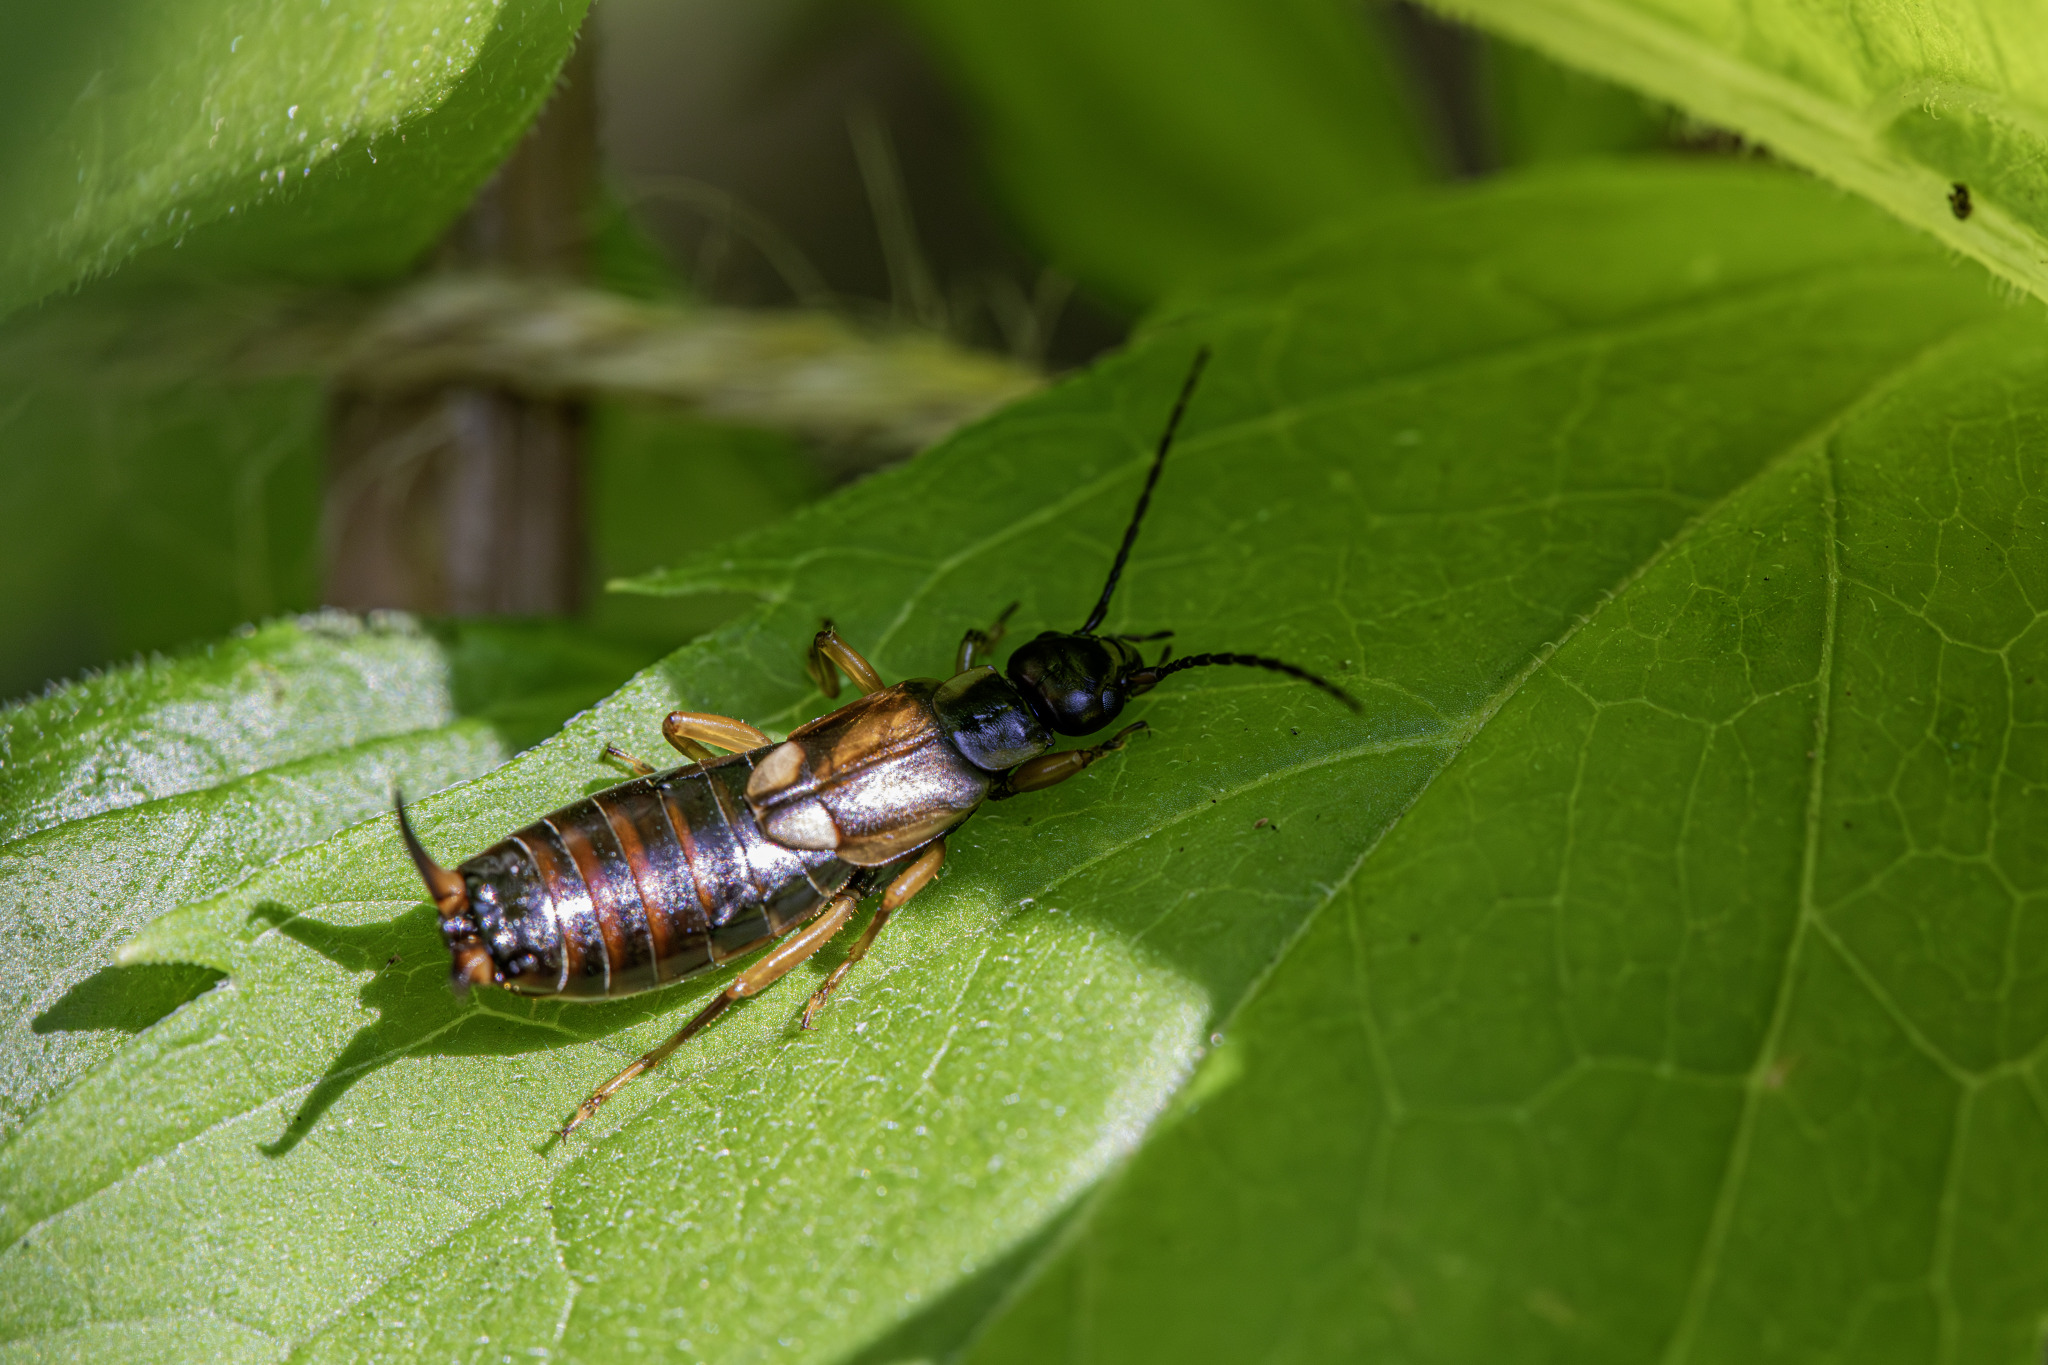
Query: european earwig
x=674, y=873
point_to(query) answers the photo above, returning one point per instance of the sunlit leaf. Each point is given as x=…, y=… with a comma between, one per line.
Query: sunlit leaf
x=163, y=782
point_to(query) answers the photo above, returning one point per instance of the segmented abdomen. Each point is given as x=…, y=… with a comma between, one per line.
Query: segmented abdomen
x=642, y=884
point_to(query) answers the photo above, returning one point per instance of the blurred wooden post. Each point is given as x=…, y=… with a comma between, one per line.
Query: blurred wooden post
x=465, y=500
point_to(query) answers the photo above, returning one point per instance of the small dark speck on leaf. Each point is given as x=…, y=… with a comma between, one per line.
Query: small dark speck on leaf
x=1959, y=200
x=1294, y=729
x=1847, y=825
x=1028, y=819
x=392, y=961
x=1414, y=939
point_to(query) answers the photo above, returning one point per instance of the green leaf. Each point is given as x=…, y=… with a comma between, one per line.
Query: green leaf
x=1891, y=101
x=1148, y=145
x=211, y=487
x=1526, y=511
x=1545, y=112
x=332, y=141
x=165, y=781
x=210, y=491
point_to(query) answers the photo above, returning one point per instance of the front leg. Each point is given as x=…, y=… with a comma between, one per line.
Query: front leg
x=829, y=654
x=1049, y=770
x=980, y=641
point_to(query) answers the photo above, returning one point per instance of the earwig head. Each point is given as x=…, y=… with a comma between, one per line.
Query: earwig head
x=1074, y=684
x=473, y=965
x=1078, y=683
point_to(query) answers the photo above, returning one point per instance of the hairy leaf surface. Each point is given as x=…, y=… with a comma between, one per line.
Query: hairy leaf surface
x=1897, y=101
x=162, y=782
x=1525, y=510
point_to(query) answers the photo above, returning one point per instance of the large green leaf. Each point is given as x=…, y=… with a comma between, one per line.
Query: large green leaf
x=1896, y=101
x=1527, y=511
x=167, y=780
x=1149, y=143
x=329, y=140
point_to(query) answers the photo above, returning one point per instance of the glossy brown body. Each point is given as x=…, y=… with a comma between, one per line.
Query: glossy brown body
x=671, y=874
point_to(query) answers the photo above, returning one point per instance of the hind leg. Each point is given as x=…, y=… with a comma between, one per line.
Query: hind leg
x=773, y=965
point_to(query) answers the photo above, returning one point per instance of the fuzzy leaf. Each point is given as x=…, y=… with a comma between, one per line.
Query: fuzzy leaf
x=1898, y=102
x=148, y=786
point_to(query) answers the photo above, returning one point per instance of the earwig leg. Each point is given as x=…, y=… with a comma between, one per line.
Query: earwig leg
x=684, y=729
x=1049, y=770
x=827, y=650
x=774, y=964
x=908, y=883
x=975, y=641
x=627, y=761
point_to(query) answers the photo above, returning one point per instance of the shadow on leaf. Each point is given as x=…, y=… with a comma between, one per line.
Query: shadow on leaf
x=126, y=998
x=943, y=1329
x=418, y=1015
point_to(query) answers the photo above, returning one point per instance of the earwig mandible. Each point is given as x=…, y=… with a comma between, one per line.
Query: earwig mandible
x=674, y=873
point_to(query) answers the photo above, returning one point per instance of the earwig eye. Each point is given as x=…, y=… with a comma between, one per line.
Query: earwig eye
x=1074, y=684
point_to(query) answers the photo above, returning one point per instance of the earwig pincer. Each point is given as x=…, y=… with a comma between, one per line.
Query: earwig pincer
x=775, y=845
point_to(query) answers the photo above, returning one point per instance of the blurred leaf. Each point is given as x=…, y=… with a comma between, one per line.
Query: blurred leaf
x=323, y=141
x=1895, y=102
x=171, y=507
x=526, y=675
x=1145, y=144
x=1597, y=570
x=1542, y=111
x=665, y=485
x=149, y=518
x=626, y=258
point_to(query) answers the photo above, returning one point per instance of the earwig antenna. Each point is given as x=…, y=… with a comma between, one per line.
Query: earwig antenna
x=1149, y=678
x=1123, y=553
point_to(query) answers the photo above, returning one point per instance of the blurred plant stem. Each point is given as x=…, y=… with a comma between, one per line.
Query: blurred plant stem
x=462, y=497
